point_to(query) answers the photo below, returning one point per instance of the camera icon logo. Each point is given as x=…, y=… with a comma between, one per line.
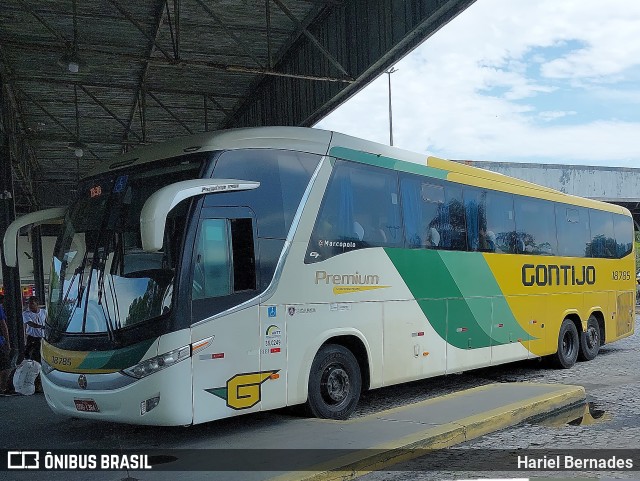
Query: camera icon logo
x=23, y=460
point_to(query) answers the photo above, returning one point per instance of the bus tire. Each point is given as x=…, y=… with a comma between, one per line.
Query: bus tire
x=590, y=340
x=568, y=345
x=335, y=383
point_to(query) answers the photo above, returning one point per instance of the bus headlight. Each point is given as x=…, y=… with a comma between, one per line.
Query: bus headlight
x=158, y=363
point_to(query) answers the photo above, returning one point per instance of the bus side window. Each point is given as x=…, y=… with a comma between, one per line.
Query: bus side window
x=244, y=266
x=212, y=263
x=573, y=231
x=360, y=209
x=499, y=232
x=474, y=211
x=224, y=261
x=603, y=243
x=623, y=227
x=535, y=226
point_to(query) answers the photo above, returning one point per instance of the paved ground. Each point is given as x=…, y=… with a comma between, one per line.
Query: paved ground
x=612, y=382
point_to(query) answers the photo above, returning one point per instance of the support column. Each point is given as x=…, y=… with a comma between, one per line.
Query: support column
x=10, y=275
x=38, y=268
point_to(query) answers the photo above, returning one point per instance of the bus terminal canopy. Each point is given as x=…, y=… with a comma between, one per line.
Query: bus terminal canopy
x=82, y=81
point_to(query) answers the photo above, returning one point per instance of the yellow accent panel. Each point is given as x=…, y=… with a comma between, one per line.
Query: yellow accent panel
x=351, y=289
x=68, y=361
x=540, y=309
x=466, y=174
x=469, y=171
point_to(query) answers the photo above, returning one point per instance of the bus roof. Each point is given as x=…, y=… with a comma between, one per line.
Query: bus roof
x=324, y=142
x=314, y=141
x=363, y=151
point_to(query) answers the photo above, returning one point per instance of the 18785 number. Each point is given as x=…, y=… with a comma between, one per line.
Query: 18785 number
x=621, y=275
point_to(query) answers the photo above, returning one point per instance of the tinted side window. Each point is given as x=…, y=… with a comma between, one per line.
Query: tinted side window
x=603, y=242
x=360, y=209
x=454, y=224
x=490, y=220
x=574, y=238
x=224, y=258
x=535, y=226
x=433, y=213
x=224, y=267
x=283, y=176
x=475, y=214
x=623, y=227
x=212, y=270
x=500, y=222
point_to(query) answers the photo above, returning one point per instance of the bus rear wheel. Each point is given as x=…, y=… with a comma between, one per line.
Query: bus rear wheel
x=590, y=340
x=334, y=383
x=568, y=345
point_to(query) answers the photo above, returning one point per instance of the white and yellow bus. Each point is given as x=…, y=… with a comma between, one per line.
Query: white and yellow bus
x=252, y=269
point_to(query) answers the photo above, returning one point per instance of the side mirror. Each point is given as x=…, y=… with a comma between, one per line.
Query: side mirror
x=10, y=241
x=153, y=216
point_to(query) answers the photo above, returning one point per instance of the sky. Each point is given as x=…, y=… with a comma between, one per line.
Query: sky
x=552, y=81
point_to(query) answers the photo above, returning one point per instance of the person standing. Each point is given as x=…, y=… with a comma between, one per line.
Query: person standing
x=5, y=350
x=34, y=319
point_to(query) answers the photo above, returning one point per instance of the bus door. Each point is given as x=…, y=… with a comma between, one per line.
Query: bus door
x=225, y=320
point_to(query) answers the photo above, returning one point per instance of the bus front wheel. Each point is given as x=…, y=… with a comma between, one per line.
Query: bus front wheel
x=568, y=345
x=334, y=383
x=590, y=340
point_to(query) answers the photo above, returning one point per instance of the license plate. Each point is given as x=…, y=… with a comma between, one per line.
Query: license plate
x=86, y=405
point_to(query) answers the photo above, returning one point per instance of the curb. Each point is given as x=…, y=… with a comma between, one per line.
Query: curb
x=441, y=436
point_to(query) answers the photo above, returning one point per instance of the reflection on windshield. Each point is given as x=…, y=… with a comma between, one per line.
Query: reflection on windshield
x=101, y=279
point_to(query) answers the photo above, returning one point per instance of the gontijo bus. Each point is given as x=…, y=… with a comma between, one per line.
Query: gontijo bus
x=251, y=269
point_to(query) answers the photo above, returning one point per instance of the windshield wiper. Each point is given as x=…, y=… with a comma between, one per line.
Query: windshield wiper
x=105, y=312
x=78, y=270
x=99, y=264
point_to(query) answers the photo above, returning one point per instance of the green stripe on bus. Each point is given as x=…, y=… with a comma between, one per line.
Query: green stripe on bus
x=117, y=358
x=386, y=162
x=458, y=288
x=474, y=278
x=429, y=280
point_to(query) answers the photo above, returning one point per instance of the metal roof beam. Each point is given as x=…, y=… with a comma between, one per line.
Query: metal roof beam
x=175, y=38
x=53, y=137
x=218, y=105
x=57, y=121
x=17, y=121
x=230, y=33
x=48, y=27
x=312, y=38
x=236, y=69
x=120, y=86
x=152, y=39
x=166, y=109
x=145, y=71
x=366, y=37
x=106, y=109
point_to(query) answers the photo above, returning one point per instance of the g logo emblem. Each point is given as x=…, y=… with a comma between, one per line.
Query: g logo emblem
x=243, y=390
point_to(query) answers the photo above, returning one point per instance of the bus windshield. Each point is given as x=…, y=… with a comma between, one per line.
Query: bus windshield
x=101, y=279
